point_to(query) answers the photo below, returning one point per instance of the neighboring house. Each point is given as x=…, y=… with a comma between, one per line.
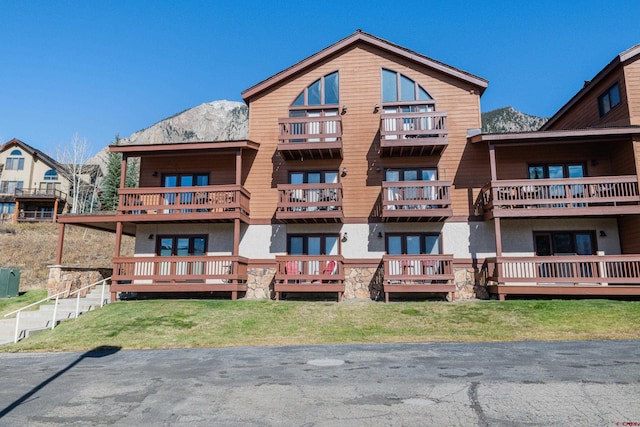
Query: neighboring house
x=32, y=184
x=365, y=175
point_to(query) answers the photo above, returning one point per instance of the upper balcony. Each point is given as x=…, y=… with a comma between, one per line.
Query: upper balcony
x=311, y=137
x=39, y=194
x=310, y=203
x=416, y=201
x=413, y=134
x=211, y=203
x=593, y=196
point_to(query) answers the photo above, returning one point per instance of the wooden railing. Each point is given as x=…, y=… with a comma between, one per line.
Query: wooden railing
x=410, y=269
x=38, y=215
x=576, y=269
x=309, y=197
x=421, y=195
x=38, y=192
x=310, y=129
x=419, y=125
x=180, y=269
x=559, y=193
x=312, y=269
x=173, y=200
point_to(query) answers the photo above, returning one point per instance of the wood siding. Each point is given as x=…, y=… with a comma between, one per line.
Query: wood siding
x=585, y=113
x=220, y=167
x=632, y=84
x=360, y=90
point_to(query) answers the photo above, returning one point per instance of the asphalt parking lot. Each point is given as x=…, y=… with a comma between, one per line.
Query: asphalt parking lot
x=474, y=384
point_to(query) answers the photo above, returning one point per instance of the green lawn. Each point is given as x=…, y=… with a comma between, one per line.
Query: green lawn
x=7, y=305
x=215, y=323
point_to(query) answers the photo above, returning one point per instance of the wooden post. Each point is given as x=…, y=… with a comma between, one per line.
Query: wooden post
x=236, y=237
x=239, y=167
x=16, y=212
x=55, y=210
x=492, y=162
x=60, y=244
x=116, y=251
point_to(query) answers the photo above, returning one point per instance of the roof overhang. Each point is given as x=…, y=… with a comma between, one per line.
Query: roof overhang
x=362, y=37
x=558, y=136
x=103, y=222
x=173, y=148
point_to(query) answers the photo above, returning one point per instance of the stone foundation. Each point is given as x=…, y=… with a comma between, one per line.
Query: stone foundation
x=363, y=282
x=68, y=279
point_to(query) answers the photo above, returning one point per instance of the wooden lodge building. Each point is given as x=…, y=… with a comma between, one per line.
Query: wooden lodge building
x=365, y=175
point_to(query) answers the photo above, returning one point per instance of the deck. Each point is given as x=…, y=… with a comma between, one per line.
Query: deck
x=413, y=134
x=597, y=275
x=593, y=196
x=178, y=274
x=309, y=203
x=310, y=137
x=309, y=273
x=418, y=274
x=416, y=201
x=204, y=203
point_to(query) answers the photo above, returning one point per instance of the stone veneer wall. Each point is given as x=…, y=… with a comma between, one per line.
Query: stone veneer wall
x=363, y=282
x=68, y=279
x=260, y=282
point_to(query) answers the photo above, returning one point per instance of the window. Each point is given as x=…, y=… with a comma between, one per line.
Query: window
x=549, y=243
x=50, y=175
x=7, y=208
x=313, y=244
x=195, y=245
x=413, y=243
x=557, y=171
x=183, y=180
x=397, y=87
x=609, y=99
x=324, y=91
x=15, y=163
x=16, y=153
x=10, y=187
x=48, y=187
x=418, y=192
x=313, y=177
x=413, y=174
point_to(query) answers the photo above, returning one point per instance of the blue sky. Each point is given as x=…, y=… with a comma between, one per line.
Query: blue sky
x=101, y=68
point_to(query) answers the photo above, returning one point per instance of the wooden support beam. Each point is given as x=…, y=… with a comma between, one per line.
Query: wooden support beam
x=60, y=245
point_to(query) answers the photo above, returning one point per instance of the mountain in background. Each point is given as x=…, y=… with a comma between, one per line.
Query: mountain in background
x=507, y=119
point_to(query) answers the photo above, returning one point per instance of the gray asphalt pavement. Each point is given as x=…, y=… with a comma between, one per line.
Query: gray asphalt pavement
x=477, y=384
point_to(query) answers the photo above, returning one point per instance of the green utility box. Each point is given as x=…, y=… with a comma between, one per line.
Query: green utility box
x=9, y=282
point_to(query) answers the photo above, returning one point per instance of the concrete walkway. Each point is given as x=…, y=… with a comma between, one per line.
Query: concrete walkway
x=477, y=384
x=42, y=318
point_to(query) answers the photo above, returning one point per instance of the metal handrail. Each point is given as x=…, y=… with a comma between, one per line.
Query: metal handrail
x=55, y=308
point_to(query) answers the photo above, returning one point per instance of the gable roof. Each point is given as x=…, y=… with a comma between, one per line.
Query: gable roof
x=34, y=152
x=629, y=55
x=362, y=37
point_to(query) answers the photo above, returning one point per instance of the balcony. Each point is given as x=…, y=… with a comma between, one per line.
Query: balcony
x=213, y=203
x=606, y=275
x=418, y=274
x=309, y=203
x=180, y=274
x=416, y=201
x=593, y=196
x=310, y=138
x=35, y=215
x=39, y=194
x=309, y=273
x=413, y=134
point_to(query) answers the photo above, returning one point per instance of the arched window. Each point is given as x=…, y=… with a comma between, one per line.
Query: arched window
x=319, y=99
x=397, y=87
x=324, y=91
x=16, y=153
x=51, y=175
x=15, y=163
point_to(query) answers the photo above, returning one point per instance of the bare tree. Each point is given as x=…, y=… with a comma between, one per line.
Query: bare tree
x=83, y=178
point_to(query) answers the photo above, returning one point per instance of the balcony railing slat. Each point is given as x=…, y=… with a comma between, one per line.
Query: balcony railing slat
x=309, y=197
x=422, y=195
x=310, y=129
x=418, y=268
x=413, y=125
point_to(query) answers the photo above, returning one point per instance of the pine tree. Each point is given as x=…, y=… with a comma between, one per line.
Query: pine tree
x=111, y=181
